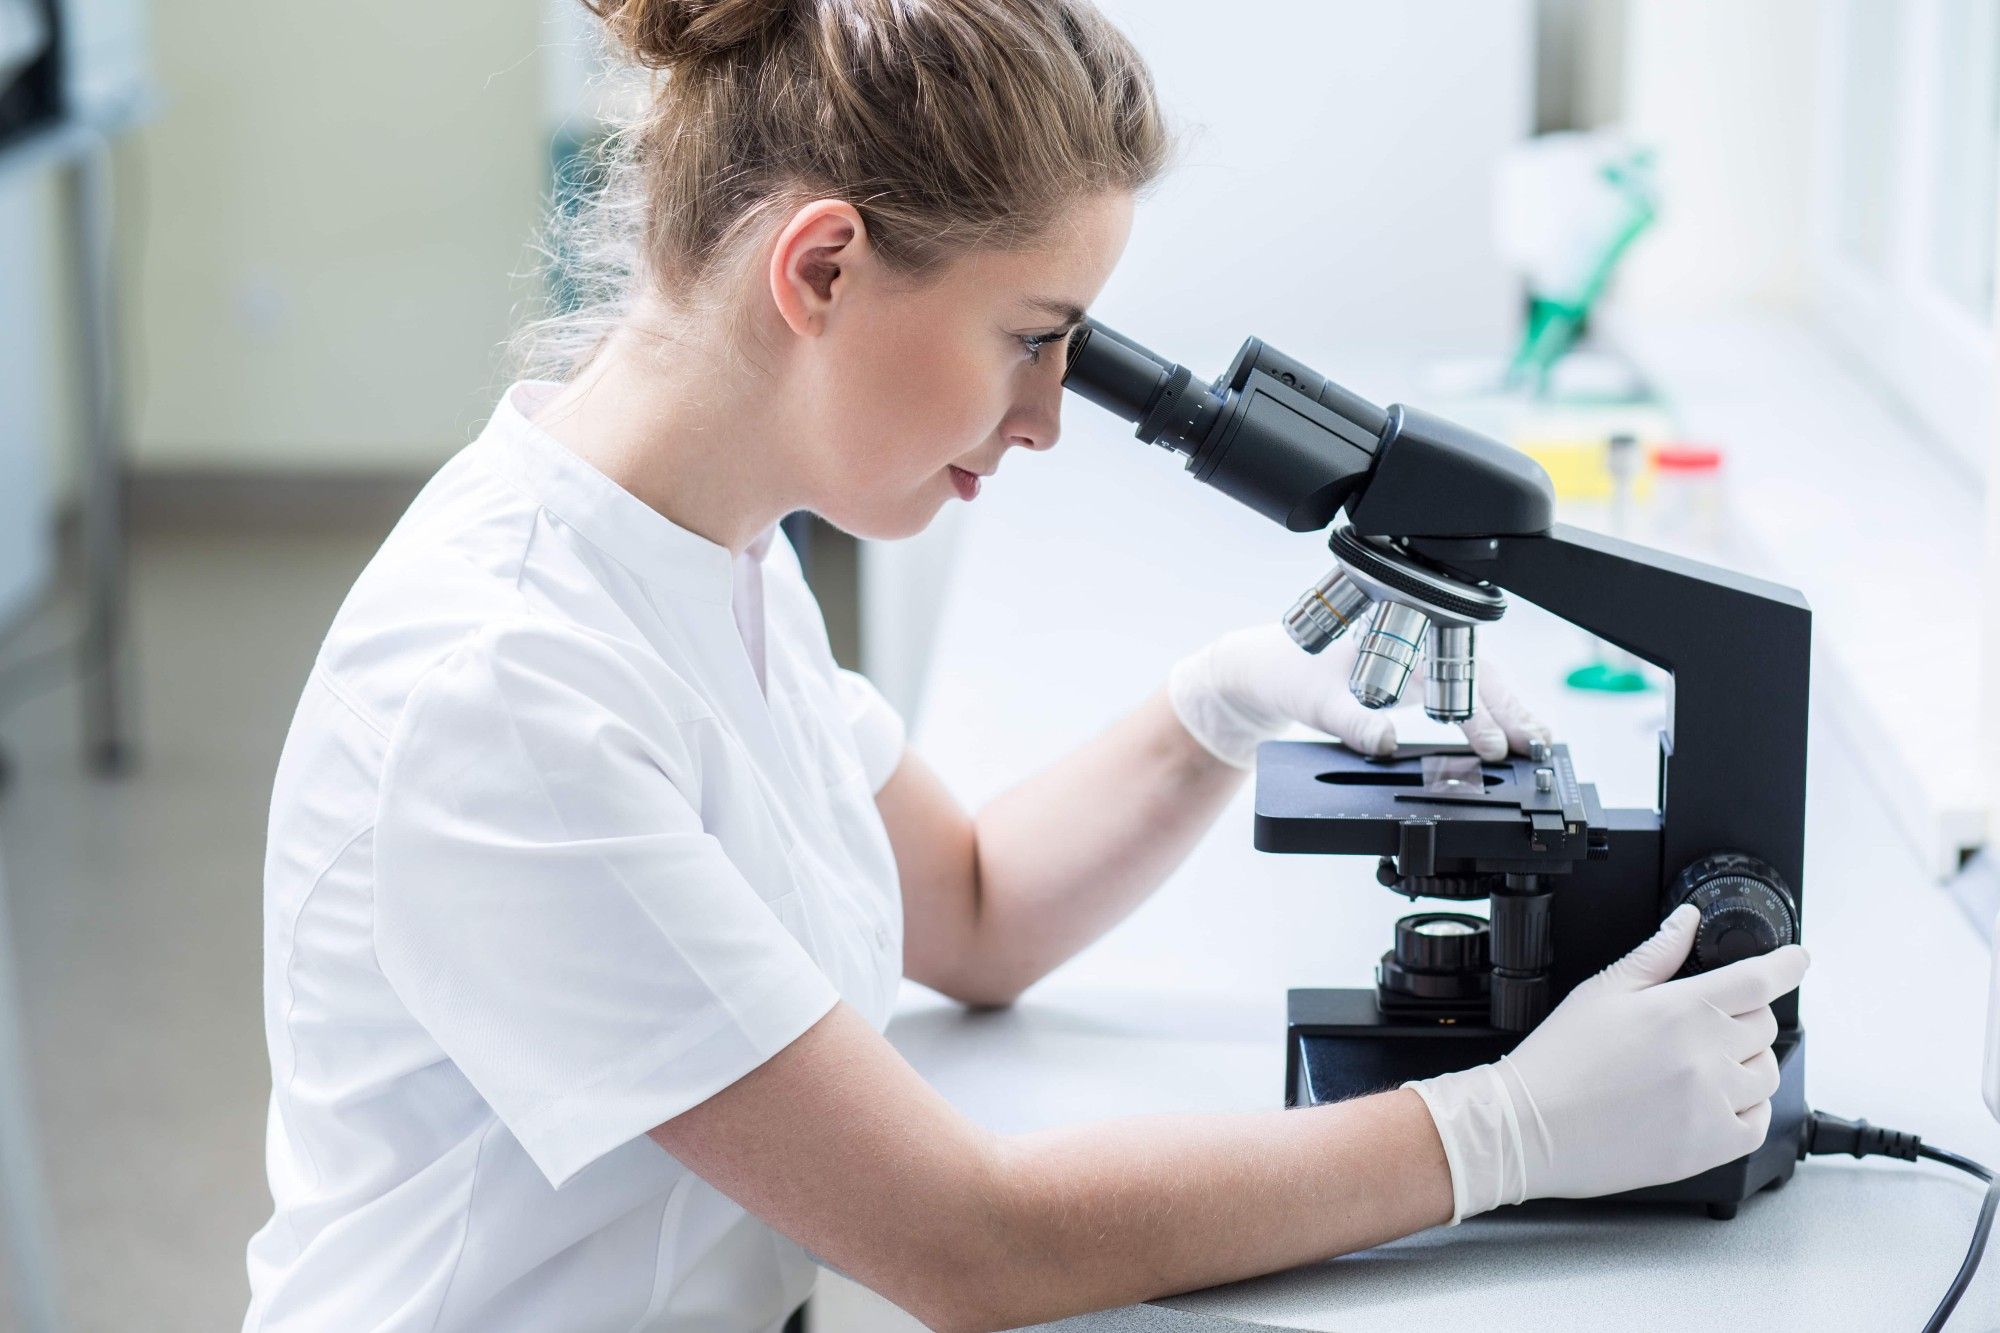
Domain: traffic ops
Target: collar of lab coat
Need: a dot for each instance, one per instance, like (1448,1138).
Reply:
(647,542)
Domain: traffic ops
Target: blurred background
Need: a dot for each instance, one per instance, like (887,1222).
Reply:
(1727,269)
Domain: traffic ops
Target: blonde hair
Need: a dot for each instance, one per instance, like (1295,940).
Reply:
(949,125)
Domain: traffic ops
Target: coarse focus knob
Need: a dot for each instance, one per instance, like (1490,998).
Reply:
(1746,909)
(1518,1003)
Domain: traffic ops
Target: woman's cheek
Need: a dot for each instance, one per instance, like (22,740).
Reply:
(941,423)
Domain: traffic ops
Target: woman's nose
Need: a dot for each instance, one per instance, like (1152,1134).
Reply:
(1037,423)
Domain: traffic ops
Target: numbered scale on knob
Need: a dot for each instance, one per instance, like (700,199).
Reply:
(1746,909)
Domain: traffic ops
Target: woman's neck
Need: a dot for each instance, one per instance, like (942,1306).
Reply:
(705,448)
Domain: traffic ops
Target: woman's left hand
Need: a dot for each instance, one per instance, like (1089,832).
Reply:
(1251,685)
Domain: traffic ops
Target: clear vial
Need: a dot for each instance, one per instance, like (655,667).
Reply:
(1687,501)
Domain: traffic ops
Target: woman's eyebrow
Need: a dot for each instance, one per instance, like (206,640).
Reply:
(1069,312)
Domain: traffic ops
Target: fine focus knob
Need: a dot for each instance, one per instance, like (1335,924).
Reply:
(1746,909)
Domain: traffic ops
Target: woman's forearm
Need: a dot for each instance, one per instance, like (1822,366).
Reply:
(1122,1211)
(837,1142)
(1066,854)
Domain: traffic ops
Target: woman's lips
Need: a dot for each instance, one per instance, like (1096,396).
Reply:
(966,482)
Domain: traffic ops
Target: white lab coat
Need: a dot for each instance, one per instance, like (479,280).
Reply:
(549,865)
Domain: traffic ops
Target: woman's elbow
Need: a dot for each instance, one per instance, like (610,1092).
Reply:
(956,1297)
(958,1315)
(986,989)
(970,976)
(987,1266)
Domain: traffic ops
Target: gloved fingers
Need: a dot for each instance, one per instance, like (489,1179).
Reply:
(1658,958)
(1488,739)
(1269,683)
(1505,712)
(1756,1122)
(1745,986)
(1744,1035)
(1340,715)
(1753,1081)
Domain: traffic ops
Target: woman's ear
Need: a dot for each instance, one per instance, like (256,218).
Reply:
(813,261)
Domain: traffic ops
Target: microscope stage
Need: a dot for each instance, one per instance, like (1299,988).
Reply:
(1428,803)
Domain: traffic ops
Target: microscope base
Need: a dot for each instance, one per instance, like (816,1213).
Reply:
(1339,1044)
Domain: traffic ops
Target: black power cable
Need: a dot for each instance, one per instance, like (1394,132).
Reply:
(1857,1138)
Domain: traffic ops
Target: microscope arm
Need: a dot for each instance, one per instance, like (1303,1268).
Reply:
(1740,654)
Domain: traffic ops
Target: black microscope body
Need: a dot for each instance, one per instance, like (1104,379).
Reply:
(1442,524)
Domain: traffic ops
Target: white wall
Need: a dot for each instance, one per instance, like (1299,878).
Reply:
(1724,90)
(324,226)
(1335,186)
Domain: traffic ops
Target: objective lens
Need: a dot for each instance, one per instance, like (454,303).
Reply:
(1326,611)
(1448,673)
(1388,654)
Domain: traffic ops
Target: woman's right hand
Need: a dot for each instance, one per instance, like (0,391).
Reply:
(1636,1079)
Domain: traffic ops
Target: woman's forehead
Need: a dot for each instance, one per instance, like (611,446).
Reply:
(1057,276)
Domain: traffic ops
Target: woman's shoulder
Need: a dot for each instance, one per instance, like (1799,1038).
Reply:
(469,579)
(450,567)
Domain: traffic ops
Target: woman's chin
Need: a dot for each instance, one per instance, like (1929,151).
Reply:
(889,525)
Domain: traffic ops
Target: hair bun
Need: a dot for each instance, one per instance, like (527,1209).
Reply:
(661,34)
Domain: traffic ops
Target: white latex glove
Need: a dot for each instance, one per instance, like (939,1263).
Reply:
(1634,1080)
(1252,684)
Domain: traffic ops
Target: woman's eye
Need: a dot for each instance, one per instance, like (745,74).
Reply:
(1035,342)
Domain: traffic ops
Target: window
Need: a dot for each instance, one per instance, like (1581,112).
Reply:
(1966,155)
(1907,180)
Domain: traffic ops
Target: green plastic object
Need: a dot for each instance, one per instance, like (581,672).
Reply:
(1556,321)
(1605,678)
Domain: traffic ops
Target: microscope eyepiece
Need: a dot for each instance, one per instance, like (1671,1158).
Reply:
(1285,442)
(1118,375)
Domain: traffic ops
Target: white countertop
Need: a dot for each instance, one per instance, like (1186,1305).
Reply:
(1080,576)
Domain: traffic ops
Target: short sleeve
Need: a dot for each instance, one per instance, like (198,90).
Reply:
(550,908)
(878,727)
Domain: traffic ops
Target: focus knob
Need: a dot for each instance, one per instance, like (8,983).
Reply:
(1746,909)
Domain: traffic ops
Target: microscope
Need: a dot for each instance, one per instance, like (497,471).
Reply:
(1439,526)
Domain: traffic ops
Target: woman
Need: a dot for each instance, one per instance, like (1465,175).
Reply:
(591,879)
